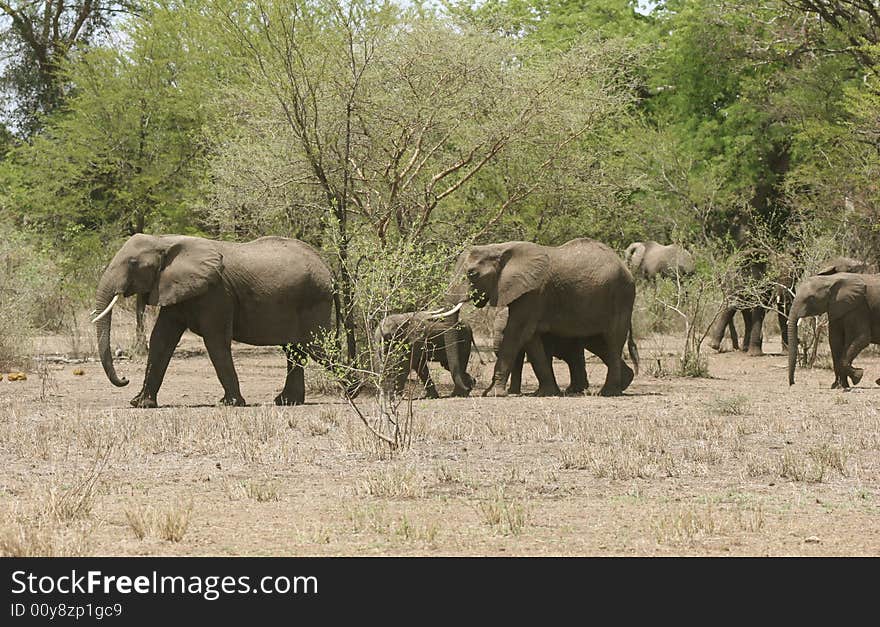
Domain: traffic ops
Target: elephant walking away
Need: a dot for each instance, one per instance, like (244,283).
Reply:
(747,291)
(270,291)
(852,302)
(408,341)
(580,289)
(651,259)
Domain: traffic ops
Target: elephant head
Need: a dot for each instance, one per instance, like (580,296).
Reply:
(498,274)
(161,271)
(834,294)
(843,264)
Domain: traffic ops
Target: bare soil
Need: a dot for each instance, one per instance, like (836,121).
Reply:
(736,464)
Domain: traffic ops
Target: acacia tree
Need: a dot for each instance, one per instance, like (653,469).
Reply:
(380,123)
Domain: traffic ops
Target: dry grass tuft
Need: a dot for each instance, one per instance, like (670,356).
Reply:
(503,514)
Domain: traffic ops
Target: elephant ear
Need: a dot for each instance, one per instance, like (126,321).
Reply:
(190,266)
(845,295)
(524,268)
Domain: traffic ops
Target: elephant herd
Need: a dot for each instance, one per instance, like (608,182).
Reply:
(553,301)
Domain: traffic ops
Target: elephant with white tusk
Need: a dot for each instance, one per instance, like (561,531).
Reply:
(408,341)
(270,291)
(579,290)
(852,302)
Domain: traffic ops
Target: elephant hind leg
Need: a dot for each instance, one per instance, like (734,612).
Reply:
(620,375)
(861,337)
(294,392)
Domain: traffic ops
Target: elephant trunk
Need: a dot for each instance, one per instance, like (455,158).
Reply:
(105,294)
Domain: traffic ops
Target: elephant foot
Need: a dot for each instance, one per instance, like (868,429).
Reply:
(515,389)
(142,401)
(495,390)
(461,392)
(627,375)
(546,390)
(431,393)
(836,384)
(755,352)
(575,390)
(284,400)
(610,391)
(716,345)
(232,401)
(856,375)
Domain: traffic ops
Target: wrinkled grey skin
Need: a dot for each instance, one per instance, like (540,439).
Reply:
(271,291)
(651,259)
(569,350)
(581,289)
(408,341)
(787,281)
(852,302)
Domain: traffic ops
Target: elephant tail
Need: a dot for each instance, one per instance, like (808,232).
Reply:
(633,349)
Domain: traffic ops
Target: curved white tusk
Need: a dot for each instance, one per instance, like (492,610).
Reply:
(447,313)
(799,322)
(431,312)
(106,311)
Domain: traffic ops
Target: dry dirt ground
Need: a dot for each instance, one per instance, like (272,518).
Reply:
(736,464)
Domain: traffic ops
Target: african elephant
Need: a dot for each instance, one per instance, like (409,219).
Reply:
(651,259)
(569,350)
(746,290)
(787,281)
(270,291)
(408,341)
(852,302)
(580,289)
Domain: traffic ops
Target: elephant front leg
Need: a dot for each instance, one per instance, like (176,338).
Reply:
(427,381)
(516,373)
(220,351)
(163,340)
(294,392)
(512,341)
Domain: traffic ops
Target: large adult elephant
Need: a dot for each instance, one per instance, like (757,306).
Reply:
(580,289)
(569,350)
(408,341)
(651,259)
(271,291)
(852,302)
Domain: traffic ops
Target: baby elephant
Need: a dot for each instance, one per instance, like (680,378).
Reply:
(408,341)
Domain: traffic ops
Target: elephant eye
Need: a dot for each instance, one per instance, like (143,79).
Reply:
(472,273)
